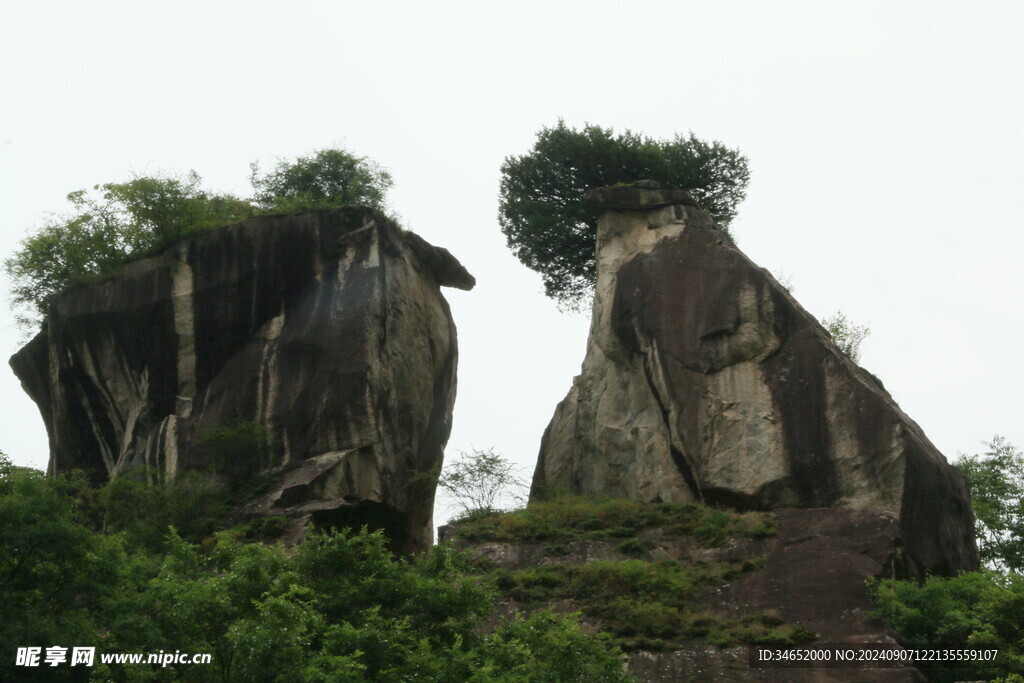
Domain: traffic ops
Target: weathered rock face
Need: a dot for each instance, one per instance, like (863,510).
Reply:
(326,329)
(704,379)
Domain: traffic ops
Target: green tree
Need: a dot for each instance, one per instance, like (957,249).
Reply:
(478,482)
(974,609)
(109,225)
(846,335)
(996,481)
(118,222)
(326,178)
(541,209)
(55,574)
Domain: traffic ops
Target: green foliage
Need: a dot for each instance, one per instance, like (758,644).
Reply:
(326,178)
(109,225)
(338,607)
(193,503)
(846,335)
(54,573)
(238,450)
(115,223)
(567,518)
(478,481)
(646,604)
(541,210)
(976,609)
(996,481)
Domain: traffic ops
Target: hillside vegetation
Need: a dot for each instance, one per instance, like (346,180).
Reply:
(136,568)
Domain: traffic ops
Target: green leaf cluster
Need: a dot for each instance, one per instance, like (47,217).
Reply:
(478,481)
(338,607)
(110,225)
(324,179)
(115,223)
(541,209)
(975,609)
(996,481)
(846,335)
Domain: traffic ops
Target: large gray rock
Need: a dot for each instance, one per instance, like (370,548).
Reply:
(327,329)
(705,380)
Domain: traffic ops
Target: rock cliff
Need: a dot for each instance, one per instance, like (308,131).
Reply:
(705,380)
(325,334)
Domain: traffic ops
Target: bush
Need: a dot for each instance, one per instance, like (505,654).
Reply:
(326,178)
(239,450)
(612,518)
(646,605)
(847,336)
(479,482)
(974,609)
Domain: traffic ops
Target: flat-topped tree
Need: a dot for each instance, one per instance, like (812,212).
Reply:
(542,213)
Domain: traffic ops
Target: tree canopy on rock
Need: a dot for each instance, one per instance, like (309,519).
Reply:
(114,223)
(542,213)
(328,177)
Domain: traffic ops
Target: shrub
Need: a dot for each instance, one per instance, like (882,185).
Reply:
(847,336)
(996,481)
(974,609)
(479,482)
(239,450)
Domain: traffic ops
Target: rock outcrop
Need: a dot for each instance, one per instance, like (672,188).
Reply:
(323,334)
(705,380)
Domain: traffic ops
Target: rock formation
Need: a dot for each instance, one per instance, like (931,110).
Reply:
(324,332)
(705,380)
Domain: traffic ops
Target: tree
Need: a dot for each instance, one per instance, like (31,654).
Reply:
(847,336)
(328,177)
(118,222)
(541,209)
(974,609)
(110,225)
(478,481)
(996,481)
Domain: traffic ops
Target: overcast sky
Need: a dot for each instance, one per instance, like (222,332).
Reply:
(885,142)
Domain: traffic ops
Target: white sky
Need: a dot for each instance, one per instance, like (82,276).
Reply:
(885,141)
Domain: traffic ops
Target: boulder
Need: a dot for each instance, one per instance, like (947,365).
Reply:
(315,347)
(704,379)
